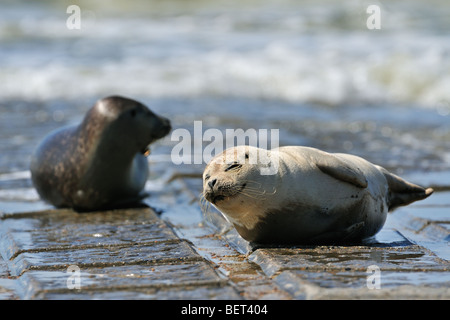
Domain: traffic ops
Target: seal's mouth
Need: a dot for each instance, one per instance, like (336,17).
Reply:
(155,136)
(211,197)
(146,151)
(160,132)
(217,198)
(221,194)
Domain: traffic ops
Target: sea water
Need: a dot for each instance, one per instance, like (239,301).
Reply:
(312,69)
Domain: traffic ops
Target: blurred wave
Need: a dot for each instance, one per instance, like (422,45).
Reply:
(296,51)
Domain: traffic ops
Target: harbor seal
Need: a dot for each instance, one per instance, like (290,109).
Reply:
(101,162)
(313,196)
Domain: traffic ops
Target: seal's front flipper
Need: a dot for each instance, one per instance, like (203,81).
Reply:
(340,170)
(402,192)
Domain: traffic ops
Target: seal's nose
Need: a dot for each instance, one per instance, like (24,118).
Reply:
(164,127)
(165,123)
(212,183)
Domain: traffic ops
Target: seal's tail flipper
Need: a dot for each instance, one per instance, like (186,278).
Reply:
(402,192)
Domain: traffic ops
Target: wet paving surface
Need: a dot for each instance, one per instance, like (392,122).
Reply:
(115,251)
(305,69)
(174,250)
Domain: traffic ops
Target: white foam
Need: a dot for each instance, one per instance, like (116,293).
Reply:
(263,53)
(18,175)
(22,194)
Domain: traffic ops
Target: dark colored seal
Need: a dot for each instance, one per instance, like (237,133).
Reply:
(101,162)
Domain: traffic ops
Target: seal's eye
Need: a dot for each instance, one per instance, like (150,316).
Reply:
(207,177)
(133,113)
(234,165)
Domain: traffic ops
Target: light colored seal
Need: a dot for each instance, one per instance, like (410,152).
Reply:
(101,162)
(312,197)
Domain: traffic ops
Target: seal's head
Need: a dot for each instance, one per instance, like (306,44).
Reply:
(233,181)
(137,124)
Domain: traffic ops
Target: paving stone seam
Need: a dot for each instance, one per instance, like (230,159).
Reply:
(33,214)
(70,212)
(436,226)
(219,268)
(238,287)
(362,269)
(214,266)
(269,281)
(328,248)
(305,250)
(118,225)
(318,269)
(411,233)
(436,257)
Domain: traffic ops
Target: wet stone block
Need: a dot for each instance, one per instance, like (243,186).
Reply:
(210,292)
(323,258)
(103,282)
(358,279)
(354,285)
(67,229)
(7,291)
(427,227)
(103,256)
